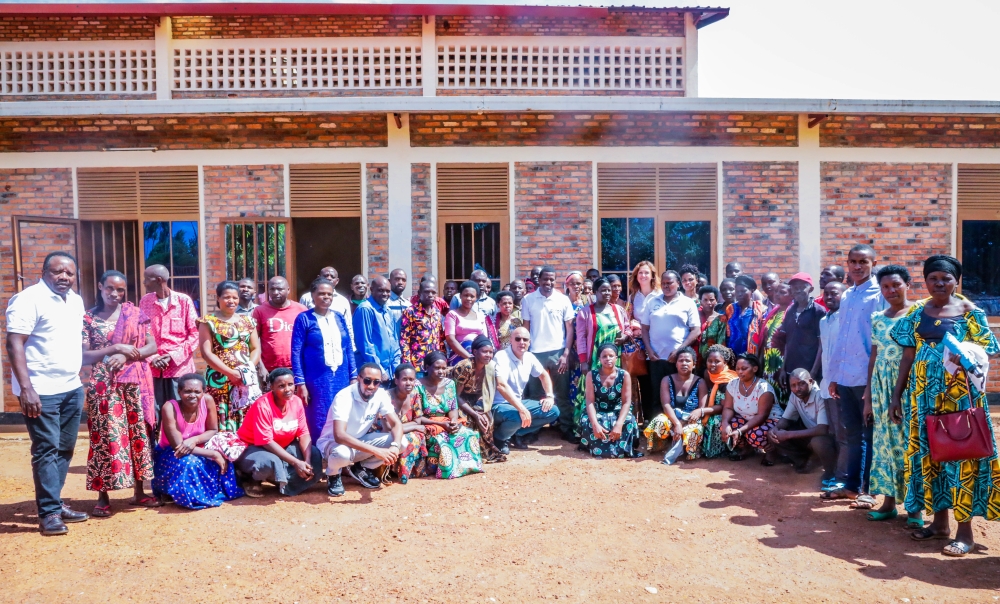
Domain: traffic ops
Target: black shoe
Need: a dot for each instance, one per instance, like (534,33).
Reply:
(518,442)
(69,515)
(52,525)
(504,446)
(530,439)
(363,476)
(334,486)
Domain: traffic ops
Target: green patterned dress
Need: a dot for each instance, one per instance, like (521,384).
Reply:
(231,343)
(772,359)
(969,487)
(607,407)
(448,455)
(888,439)
(607,331)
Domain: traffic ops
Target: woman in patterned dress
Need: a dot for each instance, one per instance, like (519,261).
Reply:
(228,342)
(714,325)
(772,357)
(452,447)
(608,428)
(704,423)
(500,326)
(889,439)
(596,324)
(412,460)
(681,394)
(120,396)
(968,487)
(573,288)
(748,412)
(475,382)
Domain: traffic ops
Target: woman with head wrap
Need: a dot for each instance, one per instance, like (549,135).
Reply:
(969,487)
(747,319)
(476,382)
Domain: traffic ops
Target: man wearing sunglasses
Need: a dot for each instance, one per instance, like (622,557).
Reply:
(515,417)
(345,441)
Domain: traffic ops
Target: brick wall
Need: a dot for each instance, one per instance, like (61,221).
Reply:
(422,239)
(32,192)
(906,216)
(607,129)
(377,215)
(619,22)
(760,214)
(910,131)
(30,28)
(194,132)
(295,26)
(554,216)
(233,192)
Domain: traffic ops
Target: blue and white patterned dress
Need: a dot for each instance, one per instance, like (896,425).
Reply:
(608,406)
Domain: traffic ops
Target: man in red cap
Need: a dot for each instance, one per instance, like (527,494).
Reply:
(800,329)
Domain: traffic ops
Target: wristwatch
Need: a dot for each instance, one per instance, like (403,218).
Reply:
(394,444)
(549,395)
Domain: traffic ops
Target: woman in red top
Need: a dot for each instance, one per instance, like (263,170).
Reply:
(279,449)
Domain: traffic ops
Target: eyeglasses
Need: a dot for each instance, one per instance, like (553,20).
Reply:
(516,339)
(370,381)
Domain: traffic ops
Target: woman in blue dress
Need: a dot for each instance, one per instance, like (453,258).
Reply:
(322,359)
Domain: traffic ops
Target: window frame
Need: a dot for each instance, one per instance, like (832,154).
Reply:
(255,220)
(659,233)
(472,218)
(981,214)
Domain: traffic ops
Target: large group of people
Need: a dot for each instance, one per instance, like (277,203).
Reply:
(849,377)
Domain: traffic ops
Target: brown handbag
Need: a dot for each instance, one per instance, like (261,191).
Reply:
(960,435)
(634,361)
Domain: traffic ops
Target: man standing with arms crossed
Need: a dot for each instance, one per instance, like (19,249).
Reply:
(45,348)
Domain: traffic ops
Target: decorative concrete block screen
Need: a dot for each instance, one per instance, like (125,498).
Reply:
(607,63)
(296,64)
(104,67)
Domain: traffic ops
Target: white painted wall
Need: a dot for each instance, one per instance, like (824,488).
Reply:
(809,199)
(400,200)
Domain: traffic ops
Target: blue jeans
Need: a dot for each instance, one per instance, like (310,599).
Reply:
(859,438)
(560,388)
(507,421)
(53,437)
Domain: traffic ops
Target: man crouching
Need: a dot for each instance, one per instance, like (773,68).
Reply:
(346,442)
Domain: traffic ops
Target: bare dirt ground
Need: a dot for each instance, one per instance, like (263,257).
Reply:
(551,524)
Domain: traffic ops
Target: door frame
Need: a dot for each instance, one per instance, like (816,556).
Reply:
(16,232)
(659,234)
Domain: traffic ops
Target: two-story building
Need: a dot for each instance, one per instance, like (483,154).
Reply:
(228,140)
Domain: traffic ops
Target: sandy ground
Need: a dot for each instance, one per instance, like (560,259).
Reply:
(550,524)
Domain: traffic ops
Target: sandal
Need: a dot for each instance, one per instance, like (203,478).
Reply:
(957,549)
(926,534)
(101,511)
(253,489)
(863,502)
(877,516)
(837,494)
(146,502)
(734,456)
(914,523)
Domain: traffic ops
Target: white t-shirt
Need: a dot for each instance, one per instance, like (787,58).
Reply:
(639,304)
(669,323)
(54,349)
(812,411)
(747,405)
(348,406)
(828,328)
(515,373)
(547,318)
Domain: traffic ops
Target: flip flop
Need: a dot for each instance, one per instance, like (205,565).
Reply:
(863,502)
(837,494)
(101,511)
(926,534)
(146,502)
(956,549)
(877,516)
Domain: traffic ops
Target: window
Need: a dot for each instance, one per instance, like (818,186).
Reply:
(979,234)
(688,242)
(664,213)
(472,246)
(109,245)
(626,242)
(258,250)
(473,221)
(174,244)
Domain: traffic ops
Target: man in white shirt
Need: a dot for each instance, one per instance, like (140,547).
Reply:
(514,416)
(345,441)
(804,427)
(45,348)
(549,316)
(485,305)
(340,303)
(829,327)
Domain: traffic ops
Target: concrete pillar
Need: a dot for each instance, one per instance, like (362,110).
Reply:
(164,58)
(810,259)
(690,56)
(428,56)
(400,211)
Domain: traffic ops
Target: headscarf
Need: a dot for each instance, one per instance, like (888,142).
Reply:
(481,341)
(747,282)
(726,375)
(945,264)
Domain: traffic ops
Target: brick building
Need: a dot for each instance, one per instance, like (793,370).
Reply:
(231,140)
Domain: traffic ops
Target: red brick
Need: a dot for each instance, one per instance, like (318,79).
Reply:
(554,218)
(760,216)
(377,215)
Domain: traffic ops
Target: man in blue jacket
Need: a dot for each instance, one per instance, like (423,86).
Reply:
(374,332)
